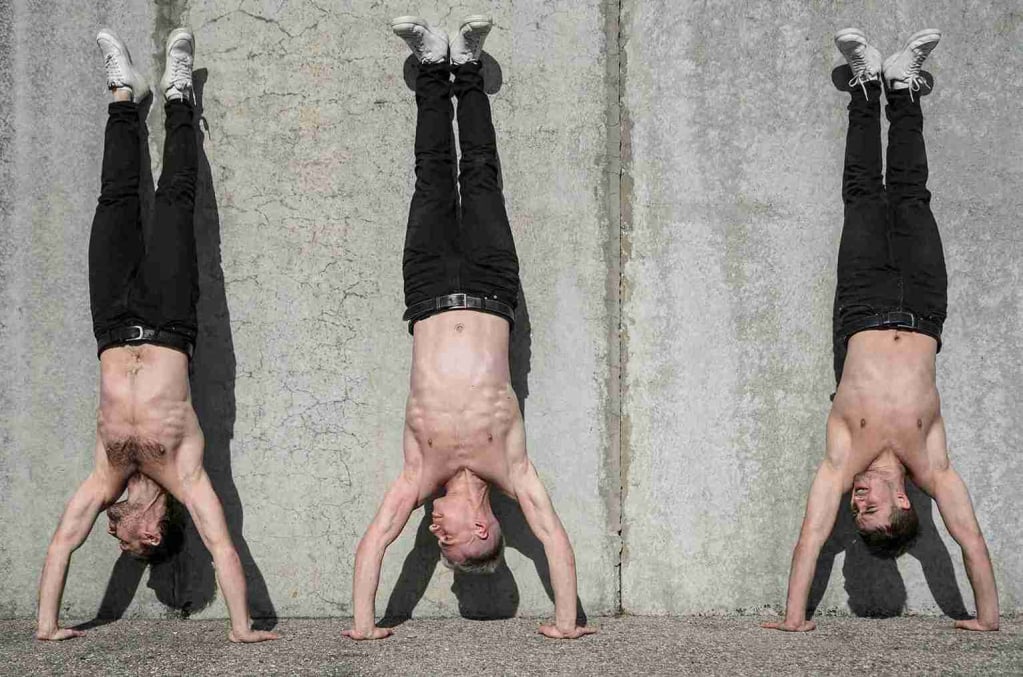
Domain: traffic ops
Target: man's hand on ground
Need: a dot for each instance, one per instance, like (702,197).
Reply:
(785,626)
(976,626)
(251,636)
(58,634)
(575,632)
(373,633)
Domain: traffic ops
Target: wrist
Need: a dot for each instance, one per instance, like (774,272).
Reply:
(241,626)
(565,623)
(989,623)
(795,619)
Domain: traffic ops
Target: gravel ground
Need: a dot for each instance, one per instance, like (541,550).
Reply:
(625,645)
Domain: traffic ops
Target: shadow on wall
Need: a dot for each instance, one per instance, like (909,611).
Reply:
(187,582)
(874,585)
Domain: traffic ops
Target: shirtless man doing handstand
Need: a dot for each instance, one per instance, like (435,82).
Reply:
(890,306)
(463,429)
(143,294)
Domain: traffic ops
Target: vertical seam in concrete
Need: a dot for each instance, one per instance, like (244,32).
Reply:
(614,78)
(624,191)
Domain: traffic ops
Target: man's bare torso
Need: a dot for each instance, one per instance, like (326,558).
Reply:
(888,399)
(146,422)
(462,412)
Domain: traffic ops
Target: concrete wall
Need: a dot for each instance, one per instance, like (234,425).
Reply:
(735,139)
(698,174)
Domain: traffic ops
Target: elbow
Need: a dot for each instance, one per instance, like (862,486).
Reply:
(974,547)
(62,545)
(225,555)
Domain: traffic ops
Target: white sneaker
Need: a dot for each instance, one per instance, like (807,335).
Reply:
(121,72)
(468,42)
(863,58)
(176,83)
(428,44)
(902,69)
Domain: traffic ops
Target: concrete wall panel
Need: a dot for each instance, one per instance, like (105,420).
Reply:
(735,156)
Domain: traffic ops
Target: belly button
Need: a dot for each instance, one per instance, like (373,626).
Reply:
(863,423)
(459,327)
(429,442)
(919,423)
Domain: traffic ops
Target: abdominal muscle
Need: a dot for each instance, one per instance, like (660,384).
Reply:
(145,411)
(461,404)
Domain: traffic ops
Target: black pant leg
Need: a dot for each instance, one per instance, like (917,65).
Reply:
(916,242)
(867,281)
(115,243)
(169,275)
(430,263)
(491,266)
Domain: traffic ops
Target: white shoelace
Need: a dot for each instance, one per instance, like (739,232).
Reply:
(115,76)
(181,73)
(861,74)
(913,77)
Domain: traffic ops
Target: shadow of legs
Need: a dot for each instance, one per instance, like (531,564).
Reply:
(519,536)
(214,373)
(416,572)
(124,581)
(934,558)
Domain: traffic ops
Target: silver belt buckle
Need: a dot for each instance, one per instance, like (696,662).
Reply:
(141,331)
(457,300)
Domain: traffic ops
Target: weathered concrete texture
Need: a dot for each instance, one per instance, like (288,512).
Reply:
(623,646)
(735,138)
(301,371)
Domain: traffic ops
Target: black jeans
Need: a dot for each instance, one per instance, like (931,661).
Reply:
(149,279)
(447,250)
(890,258)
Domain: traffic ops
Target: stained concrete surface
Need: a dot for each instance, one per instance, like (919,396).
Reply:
(721,131)
(734,140)
(301,370)
(623,646)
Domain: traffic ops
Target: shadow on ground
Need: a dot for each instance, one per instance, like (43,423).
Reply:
(187,582)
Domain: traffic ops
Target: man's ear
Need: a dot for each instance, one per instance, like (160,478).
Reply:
(902,500)
(481,530)
(151,538)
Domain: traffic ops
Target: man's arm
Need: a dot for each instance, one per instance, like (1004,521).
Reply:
(821,510)
(92,495)
(207,514)
(399,502)
(956,508)
(539,512)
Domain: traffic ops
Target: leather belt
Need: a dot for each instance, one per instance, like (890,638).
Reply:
(896,319)
(460,301)
(137,333)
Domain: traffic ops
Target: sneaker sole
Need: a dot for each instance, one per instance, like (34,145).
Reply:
(476,21)
(919,35)
(408,21)
(175,35)
(846,32)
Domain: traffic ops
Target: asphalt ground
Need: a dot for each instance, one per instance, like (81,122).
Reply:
(714,645)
